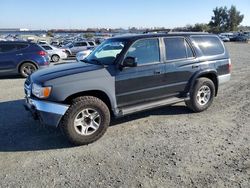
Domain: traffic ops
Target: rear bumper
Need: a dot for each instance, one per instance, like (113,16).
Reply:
(47,113)
(44,66)
(224,78)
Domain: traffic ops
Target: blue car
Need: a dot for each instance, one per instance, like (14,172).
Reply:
(22,58)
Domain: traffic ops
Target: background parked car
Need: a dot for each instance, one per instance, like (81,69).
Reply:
(73,48)
(224,38)
(55,43)
(21,58)
(239,38)
(41,42)
(55,53)
(228,35)
(82,55)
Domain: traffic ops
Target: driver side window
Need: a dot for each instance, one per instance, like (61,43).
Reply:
(145,51)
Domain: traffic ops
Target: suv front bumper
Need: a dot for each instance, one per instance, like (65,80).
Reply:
(48,113)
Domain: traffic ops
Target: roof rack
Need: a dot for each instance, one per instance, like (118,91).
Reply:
(157,31)
(187,32)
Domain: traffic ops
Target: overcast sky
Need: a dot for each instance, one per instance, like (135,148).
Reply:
(81,14)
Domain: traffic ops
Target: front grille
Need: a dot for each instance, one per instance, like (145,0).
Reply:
(27,87)
(27,81)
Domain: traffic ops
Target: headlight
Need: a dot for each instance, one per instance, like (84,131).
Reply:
(40,92)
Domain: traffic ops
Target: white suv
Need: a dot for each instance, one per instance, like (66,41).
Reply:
(75,47)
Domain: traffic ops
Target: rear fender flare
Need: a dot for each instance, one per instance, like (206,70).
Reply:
(199,74)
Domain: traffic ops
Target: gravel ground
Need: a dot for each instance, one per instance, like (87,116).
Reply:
(167,147)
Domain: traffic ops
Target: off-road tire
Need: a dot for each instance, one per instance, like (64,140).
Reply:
(193,102)
(80,103)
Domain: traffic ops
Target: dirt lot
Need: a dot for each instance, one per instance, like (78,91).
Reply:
(167,147)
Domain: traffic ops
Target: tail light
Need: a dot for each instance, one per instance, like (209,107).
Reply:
(42,53)
(229,65)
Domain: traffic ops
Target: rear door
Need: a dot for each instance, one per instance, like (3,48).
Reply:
(180,64)
(143,82)
(83,46)
(75,48)
(8,57)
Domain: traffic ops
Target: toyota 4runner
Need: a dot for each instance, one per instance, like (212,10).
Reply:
(128,74)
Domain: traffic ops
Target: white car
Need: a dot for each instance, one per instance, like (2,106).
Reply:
(55,53)
(82,55)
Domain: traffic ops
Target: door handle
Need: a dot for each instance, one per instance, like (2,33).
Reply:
(157,72)
(19,54)
(195,66)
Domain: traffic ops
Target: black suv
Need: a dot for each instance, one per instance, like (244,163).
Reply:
(125,75)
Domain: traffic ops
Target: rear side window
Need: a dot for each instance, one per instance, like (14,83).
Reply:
(81,44)
(91,44)
(47,47)
(177,48)
(209,45)
(21,46)
(77,44)
(7,48)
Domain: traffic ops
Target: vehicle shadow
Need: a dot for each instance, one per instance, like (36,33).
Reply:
(19,132)
(11,77)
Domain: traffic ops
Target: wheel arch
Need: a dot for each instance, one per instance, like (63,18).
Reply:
(95,93)
(26,61)
(210,74)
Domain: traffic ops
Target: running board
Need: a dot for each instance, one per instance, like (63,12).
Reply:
(150,105)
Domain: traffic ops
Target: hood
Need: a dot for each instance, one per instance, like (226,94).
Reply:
(62,70)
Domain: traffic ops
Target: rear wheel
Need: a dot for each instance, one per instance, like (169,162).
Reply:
(202,95)
(86,120)
(55,58)
(27,69)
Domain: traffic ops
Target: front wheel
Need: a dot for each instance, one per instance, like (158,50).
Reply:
(86,120)
(202,95)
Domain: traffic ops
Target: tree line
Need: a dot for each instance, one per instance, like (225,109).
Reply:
(223,20)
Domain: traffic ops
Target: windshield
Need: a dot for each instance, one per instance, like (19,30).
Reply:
(107,52)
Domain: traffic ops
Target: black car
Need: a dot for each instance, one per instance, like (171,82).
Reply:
(239,38)
(137,73)
(19,57)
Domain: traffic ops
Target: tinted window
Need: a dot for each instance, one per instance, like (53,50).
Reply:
(209,45)
(84,44)
(81,44)
(7,47)
(177,48)
(145,51)
(91,44)
(21,46)
(47,47)
(77,44)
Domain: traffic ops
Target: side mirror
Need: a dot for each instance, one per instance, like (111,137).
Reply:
(129,62)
